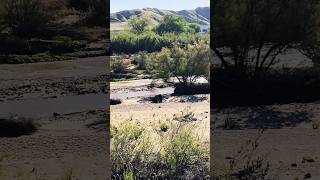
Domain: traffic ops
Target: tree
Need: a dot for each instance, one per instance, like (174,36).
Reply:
(26,18)
(194,28)
(138,24)
(310,45)
(256,32)
(186,64)
(97,13)
(171,23)
(79,5)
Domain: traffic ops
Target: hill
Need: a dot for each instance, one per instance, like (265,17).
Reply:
(200,15)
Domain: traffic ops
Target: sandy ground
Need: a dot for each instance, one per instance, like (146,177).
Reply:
(289,138)
(71,139)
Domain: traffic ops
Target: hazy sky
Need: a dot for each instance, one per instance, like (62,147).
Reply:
(119,5)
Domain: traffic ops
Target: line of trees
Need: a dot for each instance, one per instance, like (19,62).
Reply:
(141,36)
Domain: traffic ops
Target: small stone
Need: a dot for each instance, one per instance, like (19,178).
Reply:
(56,114)
(307,176)
(294,165)
(307,159)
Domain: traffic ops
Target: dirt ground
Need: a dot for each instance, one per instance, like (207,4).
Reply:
(289,143)
(71,139)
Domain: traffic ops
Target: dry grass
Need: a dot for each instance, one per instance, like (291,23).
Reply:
(157,146)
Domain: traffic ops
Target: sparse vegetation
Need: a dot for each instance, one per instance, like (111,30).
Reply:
(169,150)
(245,164)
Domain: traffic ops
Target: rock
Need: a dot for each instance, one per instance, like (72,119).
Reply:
(307,159)
(157,99)
(294,165)
(307,176)
(56,114)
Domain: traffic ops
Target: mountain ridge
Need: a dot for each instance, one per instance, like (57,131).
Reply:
(200,15)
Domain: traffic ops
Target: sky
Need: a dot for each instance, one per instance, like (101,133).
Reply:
(119,5)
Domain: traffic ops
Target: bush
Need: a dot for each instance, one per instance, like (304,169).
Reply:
(11,44)
(183,152)
(26,18)
(191,89)
(14,127)
(246,163)
(169,151)
(20,59)
(141,60)
(194,28)
(117,65)
(278,86)
(186,64)
(65,44)
(115,101)
(97,14)
(130,148)
(138,24)
(130,43)
(171,24)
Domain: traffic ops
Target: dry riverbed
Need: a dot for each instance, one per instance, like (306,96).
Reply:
(67,101)
(290,142)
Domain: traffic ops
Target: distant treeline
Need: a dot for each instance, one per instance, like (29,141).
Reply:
(141,37)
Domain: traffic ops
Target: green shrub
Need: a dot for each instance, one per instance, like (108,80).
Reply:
(117,65)
(141,60)
(171,23)
(130,148)
(186,64)
(129,43)
(169,151)
(183,152)
(138,24)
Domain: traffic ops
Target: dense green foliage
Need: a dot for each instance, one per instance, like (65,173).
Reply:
(129,43)
(186,64)
(193,28)
(138,24)
(171,24)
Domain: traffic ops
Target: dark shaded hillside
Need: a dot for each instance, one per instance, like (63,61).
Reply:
(199,15)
